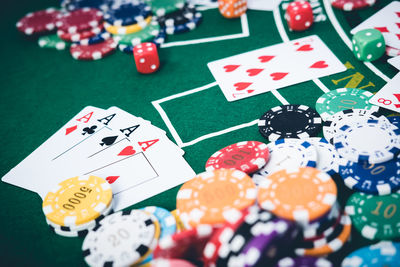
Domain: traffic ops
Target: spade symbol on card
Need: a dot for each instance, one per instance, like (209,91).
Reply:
(70,129)
(319,65)
(127,151)
(89,130)
(108,140)
(111,179)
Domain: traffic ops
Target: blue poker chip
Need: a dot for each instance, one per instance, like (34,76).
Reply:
(395,120)
(101,37)
(127,14)
(76,4)
(185,27)
(384,253)
(376,179)
(328,158)
(158,40)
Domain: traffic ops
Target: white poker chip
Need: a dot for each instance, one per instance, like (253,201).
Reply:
(371,141)
(327,157)
(288,153)
(121,239)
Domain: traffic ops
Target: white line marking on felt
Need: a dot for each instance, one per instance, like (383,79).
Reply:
(346,39)
(245,33)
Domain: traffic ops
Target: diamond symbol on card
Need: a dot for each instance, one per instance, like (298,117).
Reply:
(70,129)
(382,29)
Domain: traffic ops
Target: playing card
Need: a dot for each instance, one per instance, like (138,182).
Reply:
(274,67)
(264,5)
(28,173)
(395,62)
(387,21)
(389,96)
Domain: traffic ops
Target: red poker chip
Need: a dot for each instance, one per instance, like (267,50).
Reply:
(38,22)
(79,20)
(94,51)
(247,156)
(188,244)
(392,52)
(75,37)
(171,263)
(349,5)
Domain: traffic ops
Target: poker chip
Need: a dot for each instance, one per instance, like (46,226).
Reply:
(133,236)
(371,141)
(77,200)
(94,51)
(376,179)
(171,263)
(289,121)
(395,120)
(162,7)
(179,17)
(77,4)
(392,52)
(127,14)
(313,193)
(287,153)
(149,33)
(185,27)
(79,20)
(99,38)
(52,41)
(350,5)
(165,218)
(337,120)
(332,246)
(247,156)
(78,36)
(375,217)
(304,262)
(38,22)
(384,253)
(180,225)
(158,40)
(211,197)
(129,28)
(342,99)
(327,157)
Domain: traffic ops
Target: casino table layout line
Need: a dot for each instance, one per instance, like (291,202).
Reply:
(245,33)
(346,39)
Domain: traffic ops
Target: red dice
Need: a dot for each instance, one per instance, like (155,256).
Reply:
(299,15)
(146,58)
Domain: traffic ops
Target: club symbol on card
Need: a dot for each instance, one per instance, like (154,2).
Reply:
(127,151)
(89,130)
(276,76)
(241,86)
(108,140)
(305,47)
(111,179)
(254,72)
(70,129)
(264,59)
(230,68)
(319,65)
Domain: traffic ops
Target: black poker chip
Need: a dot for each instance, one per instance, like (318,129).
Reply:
(290,121)
(179,17)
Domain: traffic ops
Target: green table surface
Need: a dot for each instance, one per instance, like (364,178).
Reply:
(41,89)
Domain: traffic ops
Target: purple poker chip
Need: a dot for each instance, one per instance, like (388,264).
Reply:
(304,262)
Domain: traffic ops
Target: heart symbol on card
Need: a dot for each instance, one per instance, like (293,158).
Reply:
(250,91)
(241,86)
(296,43)
(70,129)
(319,65)
(230,68)
(127,151)
(254,72)
(264,59)
(111,179)
(305,47)
(276,76)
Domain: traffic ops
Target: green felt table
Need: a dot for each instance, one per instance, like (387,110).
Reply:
(41,89)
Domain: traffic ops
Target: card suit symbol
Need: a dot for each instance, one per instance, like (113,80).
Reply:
(264,59)
(127,151)
(250,91)
(305,47)
(398,36)
(296,43)
(276,76)
(254,72)
(319,65)
(71,129)
(382,29)
(398,14)
(398,25)
(108,140)
(89,130)
(230,68)
(111,179)
(241,86)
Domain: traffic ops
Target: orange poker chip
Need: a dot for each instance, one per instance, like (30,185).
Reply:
(301,195)
(213,197)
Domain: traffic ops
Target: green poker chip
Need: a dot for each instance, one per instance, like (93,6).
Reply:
(52,41)
(147,34)
(375,217)
(342,99)
(162,7)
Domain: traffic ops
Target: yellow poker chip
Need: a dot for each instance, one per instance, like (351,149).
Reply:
(77,200)
(127,29)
